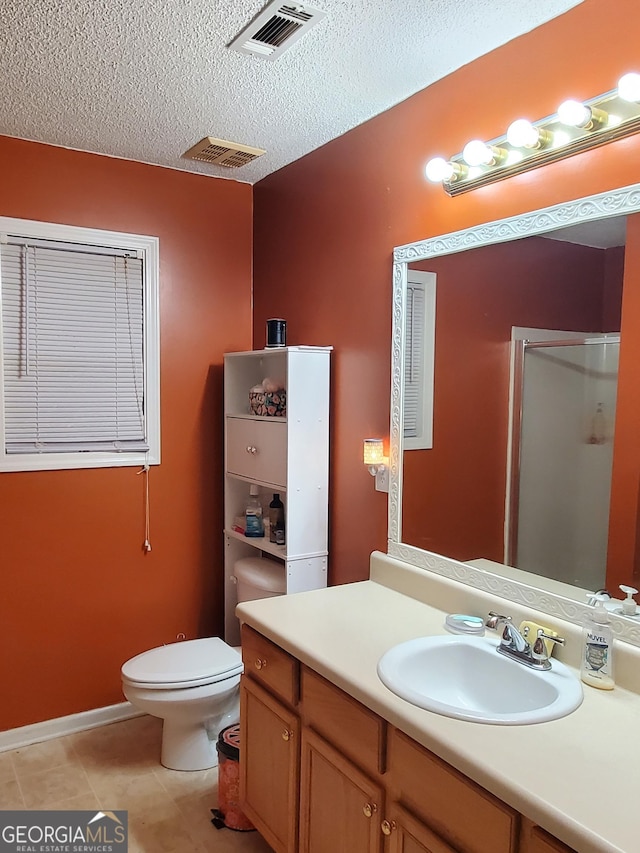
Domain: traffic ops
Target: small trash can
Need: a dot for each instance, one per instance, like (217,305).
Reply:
(229,813)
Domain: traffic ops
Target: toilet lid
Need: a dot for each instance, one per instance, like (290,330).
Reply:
(191,663)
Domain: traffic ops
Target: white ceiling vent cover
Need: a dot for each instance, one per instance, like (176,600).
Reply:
(223,153)
(275,29)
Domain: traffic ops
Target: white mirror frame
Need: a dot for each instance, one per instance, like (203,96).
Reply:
(619,202)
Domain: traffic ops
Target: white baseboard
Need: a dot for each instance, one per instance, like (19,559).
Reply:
(49,729)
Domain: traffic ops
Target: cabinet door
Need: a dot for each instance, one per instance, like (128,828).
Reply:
(340,807)
(257,449)
(269,766)
(408,835)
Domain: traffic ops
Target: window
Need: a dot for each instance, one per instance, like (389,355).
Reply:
(419,360)
(79,347)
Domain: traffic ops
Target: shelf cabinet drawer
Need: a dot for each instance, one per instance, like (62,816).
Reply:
(355,730)
(461,812)
(257,450)
(270,665)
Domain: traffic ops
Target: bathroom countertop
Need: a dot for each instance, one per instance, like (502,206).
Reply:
(577,777)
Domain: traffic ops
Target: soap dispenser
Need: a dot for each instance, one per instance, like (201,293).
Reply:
(629,606)
(596,667)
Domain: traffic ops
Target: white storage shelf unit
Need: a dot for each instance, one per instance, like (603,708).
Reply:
(286,455)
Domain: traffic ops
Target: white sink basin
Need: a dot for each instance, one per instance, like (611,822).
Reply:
(467,678)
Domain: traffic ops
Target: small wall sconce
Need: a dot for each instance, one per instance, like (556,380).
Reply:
(577,126)
(377,462)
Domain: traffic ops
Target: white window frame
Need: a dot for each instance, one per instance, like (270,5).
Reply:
(148,249)
(423,361)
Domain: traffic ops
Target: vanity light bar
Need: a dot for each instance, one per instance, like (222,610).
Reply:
(577,126)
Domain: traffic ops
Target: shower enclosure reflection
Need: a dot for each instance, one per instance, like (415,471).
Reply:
(564,399)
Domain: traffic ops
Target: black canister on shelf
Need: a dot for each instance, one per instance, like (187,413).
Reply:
(276,332)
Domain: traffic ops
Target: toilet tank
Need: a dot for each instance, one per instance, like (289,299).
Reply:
(259,578)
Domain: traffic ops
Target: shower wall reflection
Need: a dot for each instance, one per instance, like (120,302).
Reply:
(562,440)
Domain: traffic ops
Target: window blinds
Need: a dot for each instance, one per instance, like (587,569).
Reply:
(414,360)
(73,347)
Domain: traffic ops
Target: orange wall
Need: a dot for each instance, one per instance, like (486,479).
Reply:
(325,226)
(454,494)
(78,595)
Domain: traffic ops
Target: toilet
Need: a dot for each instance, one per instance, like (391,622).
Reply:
(194,685)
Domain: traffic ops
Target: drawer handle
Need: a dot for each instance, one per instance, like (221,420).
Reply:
(260,664)
(251,449)
(369,809)
(388,826)
(287,734)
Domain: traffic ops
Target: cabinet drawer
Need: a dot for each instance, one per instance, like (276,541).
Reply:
(270,665)
(461,812)
(257,450)
(355,730)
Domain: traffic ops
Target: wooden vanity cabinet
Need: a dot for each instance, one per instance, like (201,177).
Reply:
(321,773)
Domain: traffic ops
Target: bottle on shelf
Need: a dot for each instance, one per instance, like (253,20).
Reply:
(276,520)
(254,525)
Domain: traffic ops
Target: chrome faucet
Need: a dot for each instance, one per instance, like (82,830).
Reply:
(513,645)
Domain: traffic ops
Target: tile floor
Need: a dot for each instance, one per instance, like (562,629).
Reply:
(117,767)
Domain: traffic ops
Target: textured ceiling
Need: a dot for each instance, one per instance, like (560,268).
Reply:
(147,79)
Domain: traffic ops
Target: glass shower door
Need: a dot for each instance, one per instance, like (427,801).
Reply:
(561,481)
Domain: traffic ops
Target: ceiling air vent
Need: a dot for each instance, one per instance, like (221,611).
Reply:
(220,152)
(275,29)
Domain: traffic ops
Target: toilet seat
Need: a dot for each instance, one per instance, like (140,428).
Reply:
(192,663)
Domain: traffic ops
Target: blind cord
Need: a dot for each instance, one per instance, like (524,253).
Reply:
(147,521)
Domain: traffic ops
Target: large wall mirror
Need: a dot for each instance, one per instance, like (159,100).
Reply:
(510,491)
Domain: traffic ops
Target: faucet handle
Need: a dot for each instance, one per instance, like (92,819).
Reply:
(539,648)
(496,619)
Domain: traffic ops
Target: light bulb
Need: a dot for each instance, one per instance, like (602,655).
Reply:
(574,113)
(629,87)
(438,169)
(477,153)
(522,134)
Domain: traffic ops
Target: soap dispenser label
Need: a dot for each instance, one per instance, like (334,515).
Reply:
(596,653)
